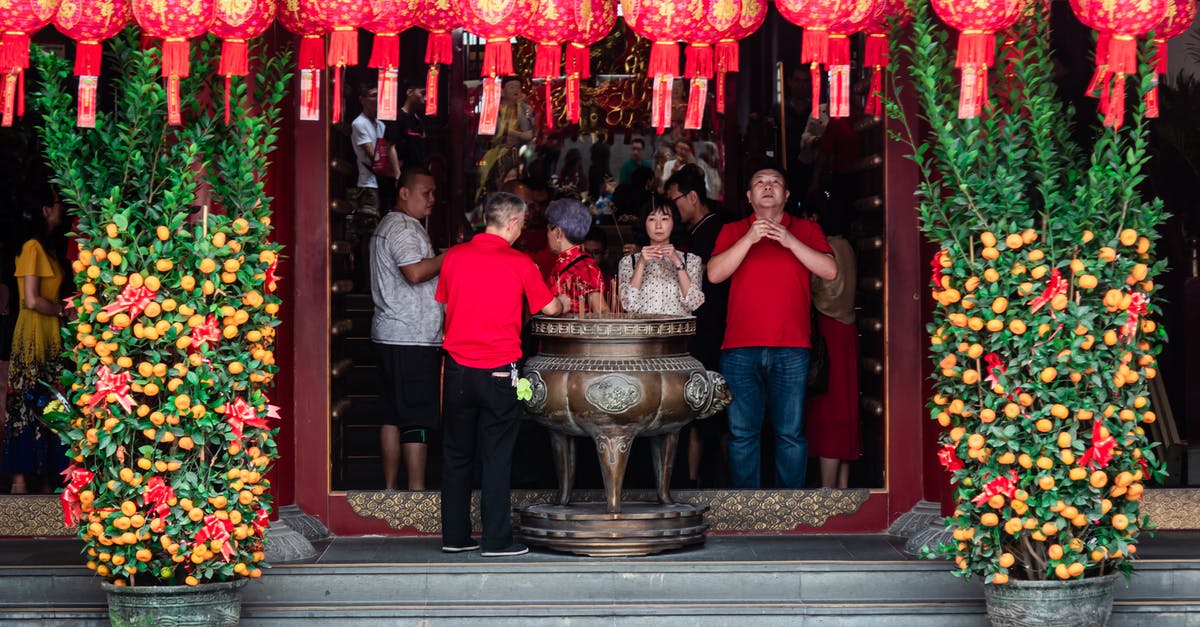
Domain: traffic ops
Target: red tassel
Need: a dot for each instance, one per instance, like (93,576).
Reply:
(547,62)
(1122,55)
(431,90)
(839,49)
(87,58)
(385,51)
(175,53)
(439,48)
(388,86)
(1105,94)
(343,47)
(489,114)
(1100,75)
(235,58)
(579,60)
(228,84)
(839,91)
(720,96)
(174,114)
(312,52)
(1115,116)
(875,50)
(697,97)
(699,61)
(1152,99)
(573,98)
(8,99)
(85,108)
(972,92)
(660,111)
(336,115)
(728,55)
(814,45)
(976,48)
(549,105)
(497,57)
(14,51)
(664,59)
(814,71)
(874,106)
(1160,56)
(21,94)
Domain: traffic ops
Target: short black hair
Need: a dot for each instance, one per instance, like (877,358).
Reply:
(688,179)
(508,79)
(597,234)
(410,174)
(768,165)
(661,204)
(638,140)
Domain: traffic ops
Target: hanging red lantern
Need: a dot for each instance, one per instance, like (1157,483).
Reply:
(300,17)
(89,22)
(751,17)
(718,18)
(817,18)
(1098,86)
(439,17)
(877,50)
(19,19)
(175,22)
(663,23)
(1125,21)
(390,18)
(555,24)
(593,20)
(497,22)
(865,11)
(977,22)
(1179,18)
(235,22)
(343,18)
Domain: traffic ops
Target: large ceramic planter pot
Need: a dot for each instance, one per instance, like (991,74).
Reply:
(209,604)
(1074,603)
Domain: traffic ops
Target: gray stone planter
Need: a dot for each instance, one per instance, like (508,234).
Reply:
(1073,603)
(208,604)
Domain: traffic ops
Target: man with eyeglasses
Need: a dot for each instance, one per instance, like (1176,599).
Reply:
(769,259)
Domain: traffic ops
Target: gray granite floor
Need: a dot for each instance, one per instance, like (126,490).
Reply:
(718,548)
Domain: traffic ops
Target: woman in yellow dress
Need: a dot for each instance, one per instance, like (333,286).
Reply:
(29,447)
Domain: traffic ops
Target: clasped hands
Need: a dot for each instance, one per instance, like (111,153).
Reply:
(660,251)
(771,230)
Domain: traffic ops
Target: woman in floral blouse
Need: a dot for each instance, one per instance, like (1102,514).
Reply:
(661,279)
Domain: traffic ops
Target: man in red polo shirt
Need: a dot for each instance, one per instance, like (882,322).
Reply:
(770,257)
(485,285)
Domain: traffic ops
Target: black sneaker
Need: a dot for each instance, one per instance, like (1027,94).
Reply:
(515,548)
(471,545)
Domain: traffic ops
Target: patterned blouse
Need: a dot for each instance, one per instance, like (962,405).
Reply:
(660,292)
(575,274)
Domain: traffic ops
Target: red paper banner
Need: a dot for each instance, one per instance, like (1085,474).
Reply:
(431,91)
(389,84)
(174,112)
(9,99)
(697,96)
(310,94)
(839,91)
(490,114)
(85,112)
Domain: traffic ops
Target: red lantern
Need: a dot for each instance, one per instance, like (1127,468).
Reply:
(391,17)
(1179,18)
(343,18)
(236,21)
(18,20)
(865,11)
(299,17)
(817,18)
(594,19)
(439,17)
(977,22)
(1125,20)
(752,16)
(719,17)
(662,22)
(175,22)
(497,22)
(554,25)
(877,49)
(90,22)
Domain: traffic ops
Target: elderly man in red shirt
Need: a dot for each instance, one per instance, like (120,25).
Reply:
(770,257)
(486,286)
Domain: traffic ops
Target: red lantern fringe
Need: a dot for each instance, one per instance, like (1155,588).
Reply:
(839,49)
(547,60)
(1100,76)
(175,57)
(579,60)
(235,58)
(385,51)
(14,51)
(88,55)
(343,47)
(876,50)
(976,48)
(728,55)
(664,59)
(698,60)
(439,48)
(312,52)
(814,45)
(497,57)
(1122,55)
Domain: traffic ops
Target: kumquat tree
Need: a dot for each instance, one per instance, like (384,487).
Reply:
(1043,334)
(166,414)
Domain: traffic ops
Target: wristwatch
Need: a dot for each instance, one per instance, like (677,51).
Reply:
(678,267)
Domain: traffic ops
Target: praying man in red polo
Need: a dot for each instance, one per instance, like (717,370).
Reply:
(769,257)
(487,287)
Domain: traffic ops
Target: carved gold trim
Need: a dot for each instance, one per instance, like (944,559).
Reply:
(729,510)
(32,515)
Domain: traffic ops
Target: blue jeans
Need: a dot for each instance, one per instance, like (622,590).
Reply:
(766,381)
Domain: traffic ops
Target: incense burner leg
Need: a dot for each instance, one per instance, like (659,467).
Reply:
(613,449)
(563,448)
(664,447)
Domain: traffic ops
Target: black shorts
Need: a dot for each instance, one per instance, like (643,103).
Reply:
(410,381)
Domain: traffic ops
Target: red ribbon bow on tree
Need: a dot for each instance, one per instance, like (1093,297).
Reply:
(1137,308)
(115,384)
(1100,453)
(1054,286)
(262,519)
(949,458)
(937,271)
(994,369)
(132,299)
(205,334)
(1000,485)
(158,496)
(75,478)
(269,278)
(239,414)
(216,529)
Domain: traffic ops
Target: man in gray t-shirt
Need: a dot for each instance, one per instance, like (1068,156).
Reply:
(407,328)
